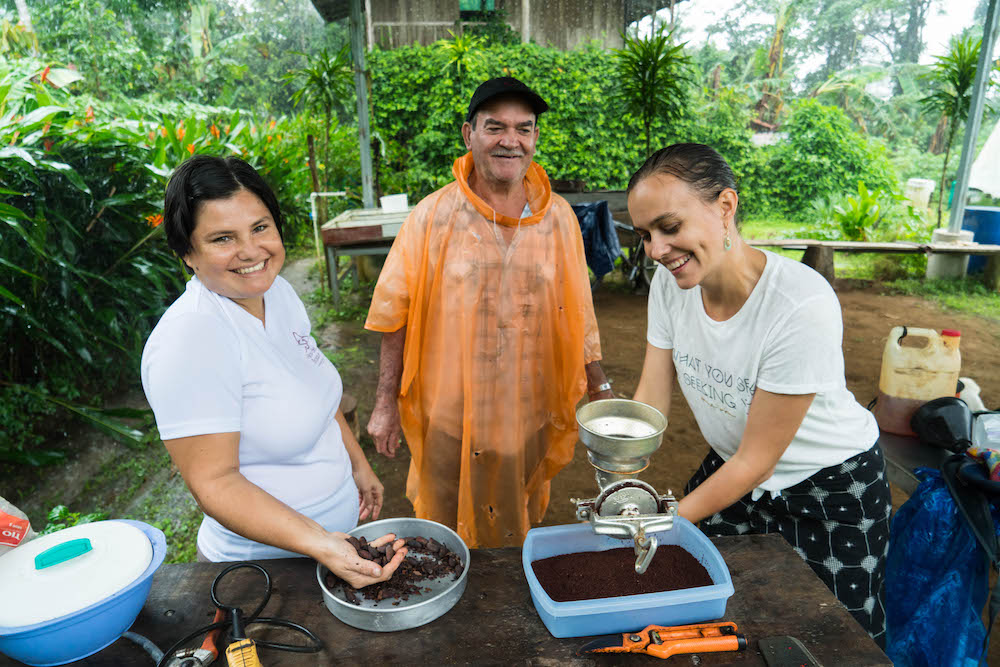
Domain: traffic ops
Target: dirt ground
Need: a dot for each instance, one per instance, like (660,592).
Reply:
(868,316)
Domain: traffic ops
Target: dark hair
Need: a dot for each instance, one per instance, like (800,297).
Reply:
(698,165)
(205,178)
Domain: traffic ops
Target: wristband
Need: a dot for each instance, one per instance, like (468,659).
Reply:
(602,387)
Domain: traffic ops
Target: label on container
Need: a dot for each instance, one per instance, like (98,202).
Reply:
(12,530)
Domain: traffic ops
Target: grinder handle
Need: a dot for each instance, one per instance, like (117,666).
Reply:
(702,645)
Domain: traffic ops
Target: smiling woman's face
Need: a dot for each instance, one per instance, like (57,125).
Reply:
(236,250)
(678,228)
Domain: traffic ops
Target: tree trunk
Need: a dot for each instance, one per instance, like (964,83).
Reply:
(937,140)
(944,172)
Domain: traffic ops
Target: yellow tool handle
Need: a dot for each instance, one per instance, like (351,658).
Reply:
(242,653)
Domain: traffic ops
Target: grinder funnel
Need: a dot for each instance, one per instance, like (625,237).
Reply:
(620,435)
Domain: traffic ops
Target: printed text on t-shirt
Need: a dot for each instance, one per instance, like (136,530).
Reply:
(312,352)
(720,389)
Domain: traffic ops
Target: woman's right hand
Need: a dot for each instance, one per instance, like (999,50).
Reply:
(342,559)
(384,427)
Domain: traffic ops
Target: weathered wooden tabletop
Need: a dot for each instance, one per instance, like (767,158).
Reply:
(495,621)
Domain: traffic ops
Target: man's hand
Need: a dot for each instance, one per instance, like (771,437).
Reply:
(384,428)
(370,492)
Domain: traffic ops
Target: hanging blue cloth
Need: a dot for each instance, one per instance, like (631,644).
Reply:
(600,239)
(937,581)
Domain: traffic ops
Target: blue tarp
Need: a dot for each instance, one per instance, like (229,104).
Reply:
(936,581)
(600,239)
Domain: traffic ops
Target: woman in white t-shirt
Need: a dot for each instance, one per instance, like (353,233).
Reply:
(754,341)
(245,402)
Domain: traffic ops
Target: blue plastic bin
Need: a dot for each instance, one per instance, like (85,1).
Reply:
(984,223)
(581,618)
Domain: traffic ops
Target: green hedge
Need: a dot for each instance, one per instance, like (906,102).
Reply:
(418,107)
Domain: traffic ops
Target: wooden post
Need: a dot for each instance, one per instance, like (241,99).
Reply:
(820,259)
(361,88)
(993,273)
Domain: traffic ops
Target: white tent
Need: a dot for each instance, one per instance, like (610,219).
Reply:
(985,174)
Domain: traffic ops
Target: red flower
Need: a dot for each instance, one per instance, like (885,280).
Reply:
(45,129)
(154,220)
(163,131)
(48,145)
(180,133)
(90,115)
(190,148)
(152,136)
(214,130)
(45,72)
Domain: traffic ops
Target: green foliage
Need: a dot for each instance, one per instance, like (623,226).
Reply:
(951,79)
(418,114)
(60,517)
(859,215)
(492,28)
(460,52)
(966,295)
(84,274)
(823,157)
(654,79)
(19,442)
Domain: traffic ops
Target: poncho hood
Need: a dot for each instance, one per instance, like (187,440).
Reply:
(536,184)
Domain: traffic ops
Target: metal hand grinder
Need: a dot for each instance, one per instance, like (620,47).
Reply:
(620,435)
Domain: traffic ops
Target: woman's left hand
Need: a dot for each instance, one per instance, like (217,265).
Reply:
(369,492)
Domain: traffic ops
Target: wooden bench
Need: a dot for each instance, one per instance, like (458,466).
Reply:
(819,254)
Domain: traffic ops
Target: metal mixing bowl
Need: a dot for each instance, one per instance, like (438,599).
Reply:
(419,609)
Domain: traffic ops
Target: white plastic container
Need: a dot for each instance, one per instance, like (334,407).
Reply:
(395,203)
(918,192)
(912,375)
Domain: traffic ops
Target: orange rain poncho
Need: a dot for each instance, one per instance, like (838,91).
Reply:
(497,337)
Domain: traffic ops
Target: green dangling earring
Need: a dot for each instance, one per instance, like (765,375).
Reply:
(727,242)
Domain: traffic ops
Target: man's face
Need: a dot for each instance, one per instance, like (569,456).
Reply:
(503,140)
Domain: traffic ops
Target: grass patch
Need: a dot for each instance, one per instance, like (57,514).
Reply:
(966,295)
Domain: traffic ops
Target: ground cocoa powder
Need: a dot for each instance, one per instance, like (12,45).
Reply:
(591,575)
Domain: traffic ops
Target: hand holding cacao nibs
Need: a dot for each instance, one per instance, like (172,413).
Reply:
(435,561)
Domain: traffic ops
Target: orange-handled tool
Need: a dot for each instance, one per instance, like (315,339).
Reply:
(662,641)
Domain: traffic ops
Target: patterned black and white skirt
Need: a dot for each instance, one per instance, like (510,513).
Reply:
(837,521)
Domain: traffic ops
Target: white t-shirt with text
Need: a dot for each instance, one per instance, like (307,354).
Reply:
(786,339)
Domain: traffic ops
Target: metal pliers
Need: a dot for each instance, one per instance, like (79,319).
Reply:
(662,642)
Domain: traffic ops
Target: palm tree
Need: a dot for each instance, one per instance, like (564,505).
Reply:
(326,86)
(951,79)
(654,79)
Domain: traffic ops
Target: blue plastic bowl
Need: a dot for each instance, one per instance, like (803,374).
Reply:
(581,618)
(87,631)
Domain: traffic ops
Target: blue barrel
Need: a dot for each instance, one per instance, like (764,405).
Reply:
(984,223)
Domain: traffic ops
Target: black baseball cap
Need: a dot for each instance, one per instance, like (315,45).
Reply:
(505,85)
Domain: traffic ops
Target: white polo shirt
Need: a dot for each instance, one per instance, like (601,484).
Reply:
(209,366)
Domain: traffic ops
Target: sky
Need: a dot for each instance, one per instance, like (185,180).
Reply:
(696,16)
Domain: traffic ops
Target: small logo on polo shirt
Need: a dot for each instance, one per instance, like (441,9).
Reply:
(312,352)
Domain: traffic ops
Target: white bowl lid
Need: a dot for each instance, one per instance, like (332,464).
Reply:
(69,570)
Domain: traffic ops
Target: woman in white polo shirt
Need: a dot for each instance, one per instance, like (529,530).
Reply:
(245,402)
(754,340)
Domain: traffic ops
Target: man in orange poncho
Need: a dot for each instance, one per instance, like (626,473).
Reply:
(489,335)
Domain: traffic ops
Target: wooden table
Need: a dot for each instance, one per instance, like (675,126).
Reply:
(357,232)
(495,621)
